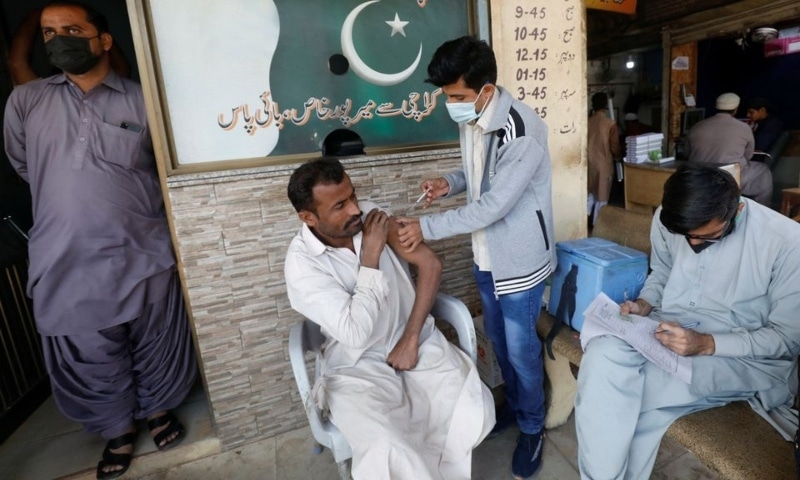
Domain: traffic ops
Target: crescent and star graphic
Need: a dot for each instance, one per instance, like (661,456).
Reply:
(358,66)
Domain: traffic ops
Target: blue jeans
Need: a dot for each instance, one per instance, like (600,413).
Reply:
(510,323)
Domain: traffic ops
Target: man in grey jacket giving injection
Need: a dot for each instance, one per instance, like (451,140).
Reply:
(506,174)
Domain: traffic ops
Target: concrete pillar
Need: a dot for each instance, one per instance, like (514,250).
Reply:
(541,54)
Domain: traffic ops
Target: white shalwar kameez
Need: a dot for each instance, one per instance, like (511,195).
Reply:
(416,424)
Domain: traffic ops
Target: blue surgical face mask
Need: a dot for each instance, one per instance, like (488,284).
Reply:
(464,112)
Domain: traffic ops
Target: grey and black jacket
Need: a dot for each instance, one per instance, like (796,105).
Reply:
(515,206)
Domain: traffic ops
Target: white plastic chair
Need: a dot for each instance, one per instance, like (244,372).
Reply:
(306,336)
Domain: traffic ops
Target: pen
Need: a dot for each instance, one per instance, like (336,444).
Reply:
(683,325)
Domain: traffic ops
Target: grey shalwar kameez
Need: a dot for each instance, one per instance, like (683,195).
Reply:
(744,292)
(102,272)
(721,140)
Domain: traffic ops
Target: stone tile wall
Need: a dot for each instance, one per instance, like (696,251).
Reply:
(232,230)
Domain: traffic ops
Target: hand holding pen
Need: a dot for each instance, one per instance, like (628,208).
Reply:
(682,325)
(681,339)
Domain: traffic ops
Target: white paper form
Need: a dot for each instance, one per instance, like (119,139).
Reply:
(602,317)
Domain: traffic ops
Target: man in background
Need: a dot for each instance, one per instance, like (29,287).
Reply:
(766,127)
(634,126)
(722,140)
(107,299)
(603,148)
(409,403)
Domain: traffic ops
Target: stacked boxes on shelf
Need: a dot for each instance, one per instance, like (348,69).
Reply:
(643,148)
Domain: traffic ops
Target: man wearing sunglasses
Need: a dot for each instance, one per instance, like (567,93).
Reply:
(732,268)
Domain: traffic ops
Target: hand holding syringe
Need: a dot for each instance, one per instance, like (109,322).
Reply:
(422,197)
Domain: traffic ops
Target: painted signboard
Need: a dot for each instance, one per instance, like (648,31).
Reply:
(255,78)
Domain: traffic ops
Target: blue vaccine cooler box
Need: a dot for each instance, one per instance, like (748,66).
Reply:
(589,266)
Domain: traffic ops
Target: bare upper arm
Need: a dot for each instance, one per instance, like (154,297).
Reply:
(421,256)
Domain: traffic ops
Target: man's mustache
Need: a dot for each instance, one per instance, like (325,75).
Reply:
(355,219)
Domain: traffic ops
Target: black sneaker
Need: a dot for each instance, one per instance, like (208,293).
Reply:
(528,454)
(504,418)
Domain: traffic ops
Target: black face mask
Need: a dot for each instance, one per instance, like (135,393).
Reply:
(699,247)
(702,246)
(71,54)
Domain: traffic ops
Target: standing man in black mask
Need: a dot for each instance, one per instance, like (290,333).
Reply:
(106,295)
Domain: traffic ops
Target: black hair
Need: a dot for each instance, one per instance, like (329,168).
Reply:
(760,102)
(697,194)
(321,171)
(92,16)
(599,101)
(465,57)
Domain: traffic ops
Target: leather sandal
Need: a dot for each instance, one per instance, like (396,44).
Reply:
(173,426)
(121,459)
